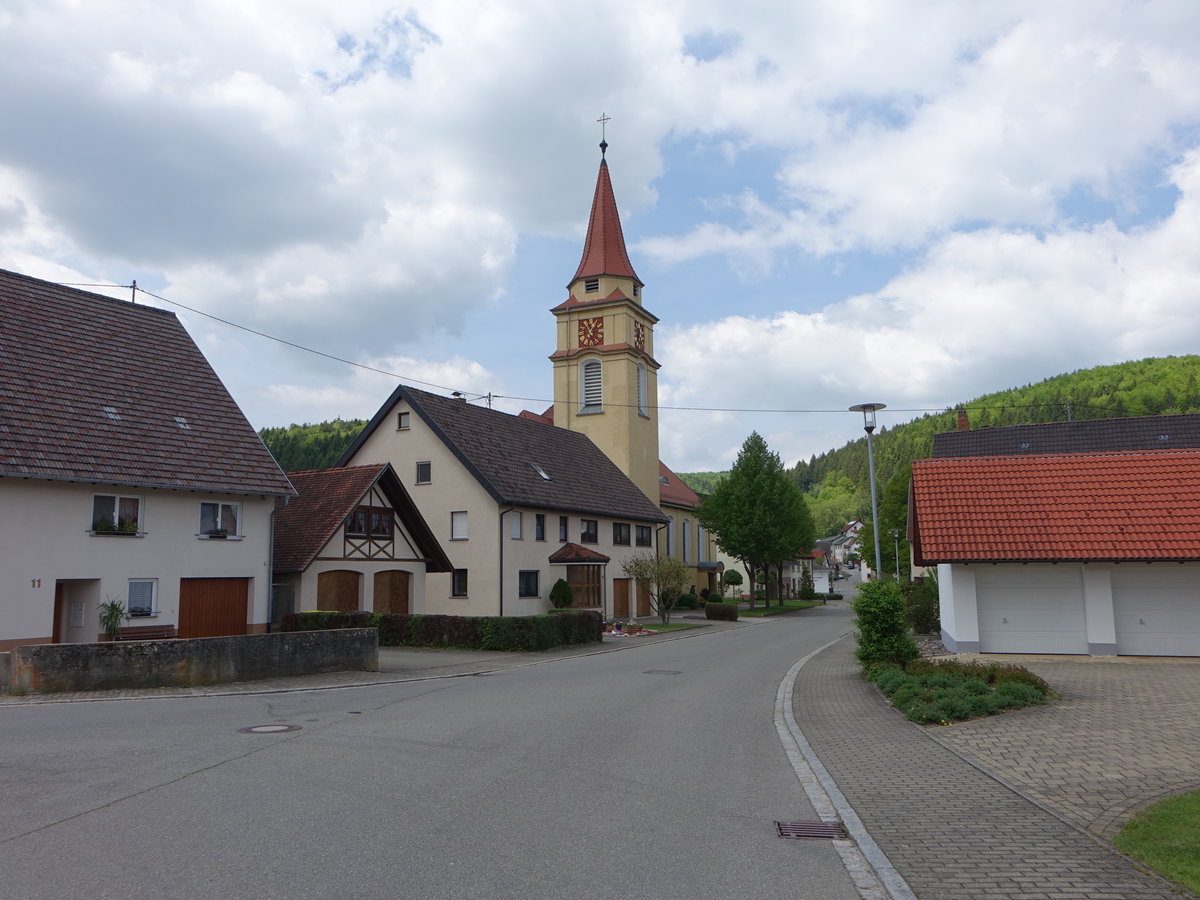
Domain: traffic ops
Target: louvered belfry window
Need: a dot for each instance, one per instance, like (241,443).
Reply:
(593,396)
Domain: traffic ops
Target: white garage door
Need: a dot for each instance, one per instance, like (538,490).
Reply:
(1030,609)
(1157,610)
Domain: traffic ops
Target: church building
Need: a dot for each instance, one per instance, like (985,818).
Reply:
(519,502)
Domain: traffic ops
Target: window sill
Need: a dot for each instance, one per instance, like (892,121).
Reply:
(219,537)
(150,615)
(124,534)
(591,410)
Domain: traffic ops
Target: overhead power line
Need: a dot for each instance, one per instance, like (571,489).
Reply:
(490,397)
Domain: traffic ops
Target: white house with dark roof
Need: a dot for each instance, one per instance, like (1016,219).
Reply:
(127,472)
(516,504)
(353,539)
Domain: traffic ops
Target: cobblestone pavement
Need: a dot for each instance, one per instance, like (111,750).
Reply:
(950,829)
(1125,734)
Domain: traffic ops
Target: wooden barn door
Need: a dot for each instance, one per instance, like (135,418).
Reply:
(391,592)
(213,607)
(338,591)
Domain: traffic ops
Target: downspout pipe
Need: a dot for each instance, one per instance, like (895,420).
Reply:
(500,580)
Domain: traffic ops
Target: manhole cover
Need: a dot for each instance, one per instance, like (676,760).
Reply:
(798,831)
(267,729)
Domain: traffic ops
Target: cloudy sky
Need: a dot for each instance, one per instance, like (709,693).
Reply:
(829,202)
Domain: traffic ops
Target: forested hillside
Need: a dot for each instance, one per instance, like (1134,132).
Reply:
(836,481)
(298,448)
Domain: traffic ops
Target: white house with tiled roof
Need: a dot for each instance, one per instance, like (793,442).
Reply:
(127,472)
(515,503)
(1069,537)
(353,539)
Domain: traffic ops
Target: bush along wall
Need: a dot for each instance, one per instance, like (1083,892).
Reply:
(519,633)
(727,612)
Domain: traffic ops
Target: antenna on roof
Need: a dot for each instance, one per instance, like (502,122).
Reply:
(603,120)
(133,292)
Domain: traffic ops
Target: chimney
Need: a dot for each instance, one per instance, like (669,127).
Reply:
(963,424)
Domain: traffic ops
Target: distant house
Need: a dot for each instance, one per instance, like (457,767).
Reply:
(353,539)
(516,503)
(127,472)
(1052,545)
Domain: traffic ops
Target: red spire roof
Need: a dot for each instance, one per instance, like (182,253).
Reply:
(604,249)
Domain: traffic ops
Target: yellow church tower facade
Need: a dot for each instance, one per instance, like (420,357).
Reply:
(605,374)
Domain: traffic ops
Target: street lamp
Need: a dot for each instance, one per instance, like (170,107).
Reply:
(896,539)
(868,410)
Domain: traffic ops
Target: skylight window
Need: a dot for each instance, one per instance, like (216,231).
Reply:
(542,472)
(111,412)
(183,423)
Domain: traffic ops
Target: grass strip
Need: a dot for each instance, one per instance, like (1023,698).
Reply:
(1163,836)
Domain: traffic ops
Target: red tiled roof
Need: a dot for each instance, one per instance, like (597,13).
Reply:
(604,248)
(1073,507)
(673,491)
(573,553)
(326,498)
(103,390)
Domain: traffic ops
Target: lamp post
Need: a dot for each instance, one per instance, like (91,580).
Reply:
(896,539)
(868,410)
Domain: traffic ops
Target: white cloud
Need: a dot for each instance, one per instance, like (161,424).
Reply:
(977,308)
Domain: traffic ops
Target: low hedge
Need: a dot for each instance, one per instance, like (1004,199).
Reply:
(726,612)
(520,633)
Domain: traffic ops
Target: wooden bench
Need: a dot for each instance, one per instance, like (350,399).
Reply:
(147,633)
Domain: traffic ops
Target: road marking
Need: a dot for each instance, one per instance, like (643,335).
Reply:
(866,864)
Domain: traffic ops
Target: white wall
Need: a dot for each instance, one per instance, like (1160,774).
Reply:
(46,537)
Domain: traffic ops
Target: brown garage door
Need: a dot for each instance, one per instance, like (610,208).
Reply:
(338,591)
(213,607)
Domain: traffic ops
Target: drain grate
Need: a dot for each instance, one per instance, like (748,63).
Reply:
(663,672)
(799,831)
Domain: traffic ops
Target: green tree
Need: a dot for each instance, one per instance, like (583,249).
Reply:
(893,516)
(757,514)
(663,577)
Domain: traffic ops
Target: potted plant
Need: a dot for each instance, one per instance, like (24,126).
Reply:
(112,614)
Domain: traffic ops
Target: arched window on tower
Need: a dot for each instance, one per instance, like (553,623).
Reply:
(591,394)
(643,398)
(687,527)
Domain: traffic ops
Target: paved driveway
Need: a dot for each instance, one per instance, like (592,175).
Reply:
(1125,734)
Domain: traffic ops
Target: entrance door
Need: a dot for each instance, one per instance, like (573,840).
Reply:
(643,600)
(338,591)
(213,607)
(391,592)
(620,598)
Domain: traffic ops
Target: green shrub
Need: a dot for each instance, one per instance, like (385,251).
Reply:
(727,612)
(921,607)
(833,596)
(906,693)
(888,677)
(922,714)
(882,633)
(687,601)
(560,595)
(1013,695)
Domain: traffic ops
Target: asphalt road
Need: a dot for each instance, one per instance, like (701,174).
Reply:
(655,772)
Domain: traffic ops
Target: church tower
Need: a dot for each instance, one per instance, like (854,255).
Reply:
(605,375)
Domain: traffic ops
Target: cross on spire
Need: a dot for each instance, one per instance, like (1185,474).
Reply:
(603,120)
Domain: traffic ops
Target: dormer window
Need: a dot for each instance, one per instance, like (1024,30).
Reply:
(591,285)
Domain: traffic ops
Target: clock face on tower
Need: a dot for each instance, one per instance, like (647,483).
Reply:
(591,332)
(639,335)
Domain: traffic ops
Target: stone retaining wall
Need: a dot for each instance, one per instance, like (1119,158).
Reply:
(142,664)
